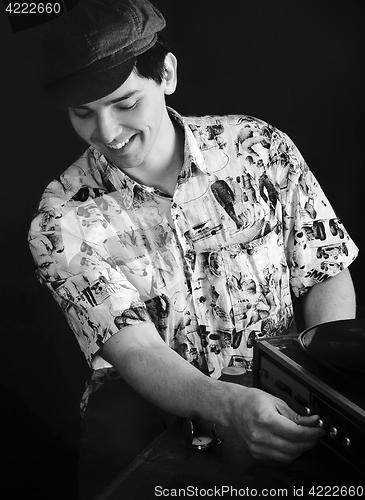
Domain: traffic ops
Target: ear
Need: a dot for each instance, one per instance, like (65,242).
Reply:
(170,80)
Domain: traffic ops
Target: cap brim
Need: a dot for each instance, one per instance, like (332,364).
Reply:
(85,88)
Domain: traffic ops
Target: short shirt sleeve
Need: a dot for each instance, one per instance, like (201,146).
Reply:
(94,294)
(317,244)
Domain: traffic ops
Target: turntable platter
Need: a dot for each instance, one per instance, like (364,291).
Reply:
(340,344)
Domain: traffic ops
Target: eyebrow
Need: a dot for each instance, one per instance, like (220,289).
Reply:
(113,101)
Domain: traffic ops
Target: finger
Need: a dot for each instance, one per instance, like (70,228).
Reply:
(310,421)
(288,424)
(303,420)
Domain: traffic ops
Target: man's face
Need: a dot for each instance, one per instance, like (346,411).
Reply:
(127,126)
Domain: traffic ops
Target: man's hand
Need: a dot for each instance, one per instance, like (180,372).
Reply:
(267,426)
(270,429)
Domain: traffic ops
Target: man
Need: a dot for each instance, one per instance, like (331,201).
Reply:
(171,243)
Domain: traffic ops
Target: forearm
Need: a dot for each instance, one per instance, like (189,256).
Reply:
(334,299)
(177,386)
(163,377)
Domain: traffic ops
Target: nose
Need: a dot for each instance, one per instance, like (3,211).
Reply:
(108,128)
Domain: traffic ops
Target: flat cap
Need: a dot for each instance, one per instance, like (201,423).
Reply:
(91,50)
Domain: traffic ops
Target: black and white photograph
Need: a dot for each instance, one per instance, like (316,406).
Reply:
(183,306)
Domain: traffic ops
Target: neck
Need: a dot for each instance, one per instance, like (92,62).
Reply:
(162,169)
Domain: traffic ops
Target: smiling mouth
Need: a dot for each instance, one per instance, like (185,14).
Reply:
(119,145)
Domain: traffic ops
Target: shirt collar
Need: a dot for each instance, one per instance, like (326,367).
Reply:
(116,180)
(192,152)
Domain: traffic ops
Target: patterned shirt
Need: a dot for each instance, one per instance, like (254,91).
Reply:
(212,266)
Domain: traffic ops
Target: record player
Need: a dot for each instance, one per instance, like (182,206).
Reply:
(321,371)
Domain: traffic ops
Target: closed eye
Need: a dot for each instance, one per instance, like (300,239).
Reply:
(79,113)
(128,108)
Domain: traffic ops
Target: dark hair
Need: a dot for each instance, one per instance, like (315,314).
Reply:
(151,64)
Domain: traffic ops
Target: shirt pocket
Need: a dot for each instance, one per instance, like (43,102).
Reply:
(213,235)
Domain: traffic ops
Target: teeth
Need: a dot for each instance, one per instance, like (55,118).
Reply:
(120,145)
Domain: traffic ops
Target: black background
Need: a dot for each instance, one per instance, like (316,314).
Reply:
(298,65)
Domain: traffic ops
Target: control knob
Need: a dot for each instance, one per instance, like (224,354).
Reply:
(346,443)
(324,422)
